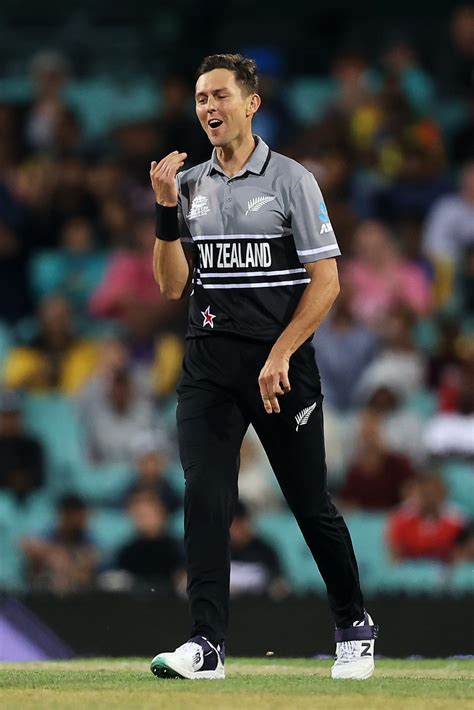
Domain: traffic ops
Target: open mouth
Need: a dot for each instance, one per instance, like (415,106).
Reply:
(214,123)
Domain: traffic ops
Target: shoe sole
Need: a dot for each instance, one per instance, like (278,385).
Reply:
(368,674)
(161,669)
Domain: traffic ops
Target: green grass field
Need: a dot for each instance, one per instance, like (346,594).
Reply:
(103,683)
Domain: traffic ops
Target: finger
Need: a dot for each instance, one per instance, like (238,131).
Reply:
(265,399)
(275,404)
(170,166)
(167,158)
(163,160)
(285,382)
(276,385)
(173,169)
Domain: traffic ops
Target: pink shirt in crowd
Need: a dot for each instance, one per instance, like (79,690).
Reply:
(129,277)
(374,293)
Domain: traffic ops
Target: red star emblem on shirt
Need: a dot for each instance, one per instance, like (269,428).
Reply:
(208,317)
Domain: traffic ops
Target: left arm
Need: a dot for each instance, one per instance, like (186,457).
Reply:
(313,307)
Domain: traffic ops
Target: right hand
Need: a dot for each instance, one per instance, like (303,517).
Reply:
(163,176)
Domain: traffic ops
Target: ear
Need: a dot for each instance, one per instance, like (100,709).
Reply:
(253,104)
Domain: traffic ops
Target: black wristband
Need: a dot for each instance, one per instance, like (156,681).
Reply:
(167,228)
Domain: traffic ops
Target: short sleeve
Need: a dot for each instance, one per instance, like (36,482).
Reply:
(312,230)
(184,233)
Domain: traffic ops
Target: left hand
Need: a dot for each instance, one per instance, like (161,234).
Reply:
(273,380)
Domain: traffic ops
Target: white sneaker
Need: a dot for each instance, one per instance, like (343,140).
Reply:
(355,650)
(197,658)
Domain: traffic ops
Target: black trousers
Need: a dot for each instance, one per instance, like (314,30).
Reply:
(218,397)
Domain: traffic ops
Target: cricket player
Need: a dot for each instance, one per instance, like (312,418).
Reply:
(249,234)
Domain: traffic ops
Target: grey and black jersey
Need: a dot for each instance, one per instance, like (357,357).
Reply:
(251,235)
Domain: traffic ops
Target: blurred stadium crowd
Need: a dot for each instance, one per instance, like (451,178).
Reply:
(90,482)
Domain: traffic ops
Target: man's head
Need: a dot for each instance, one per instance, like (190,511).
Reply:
(72,516)
(226,97)
(241,530)
(431,494)
(148,513)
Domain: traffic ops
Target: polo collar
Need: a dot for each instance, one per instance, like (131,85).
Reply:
(256,163)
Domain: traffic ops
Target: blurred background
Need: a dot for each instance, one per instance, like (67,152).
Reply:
(378,103)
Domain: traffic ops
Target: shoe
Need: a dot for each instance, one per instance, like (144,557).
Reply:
(355,650)
(197,658)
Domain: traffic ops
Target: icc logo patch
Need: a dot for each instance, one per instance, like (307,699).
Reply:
(199,207)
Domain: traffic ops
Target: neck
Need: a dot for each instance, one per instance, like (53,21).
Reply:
(233,156)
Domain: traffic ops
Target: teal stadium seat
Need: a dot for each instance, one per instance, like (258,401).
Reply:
(6,341)
(459,479)
(281,531)
(101,484)
(110,530)
(414,577)
(35,515)
(54,420)
(11,562)
(309,96)
(462,578)
(368,538)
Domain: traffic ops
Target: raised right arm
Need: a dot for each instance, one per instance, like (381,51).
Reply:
(171,268)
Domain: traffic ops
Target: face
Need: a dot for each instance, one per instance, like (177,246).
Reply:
(223,107)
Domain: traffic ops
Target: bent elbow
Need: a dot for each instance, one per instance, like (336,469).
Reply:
(171,294)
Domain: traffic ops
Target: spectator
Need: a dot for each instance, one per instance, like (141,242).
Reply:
(380,278)
(113,420)
(377,478)
(425,527)
(152,557)
(449,230)
(344,348)
(63,560)
(399,365)
(129,293)
(401,429)
(15,297)
(49,72)
(451,431)
(21,455)
(255,568)
(74,270)
(457,61)
(152,455)
(56,359)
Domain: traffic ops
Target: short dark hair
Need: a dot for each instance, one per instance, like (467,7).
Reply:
(245,69)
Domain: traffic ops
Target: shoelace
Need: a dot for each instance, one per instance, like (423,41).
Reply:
(347,651)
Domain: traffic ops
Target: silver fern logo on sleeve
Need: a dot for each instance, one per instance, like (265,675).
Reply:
(303,416)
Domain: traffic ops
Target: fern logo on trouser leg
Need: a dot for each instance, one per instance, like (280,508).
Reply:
(303,416)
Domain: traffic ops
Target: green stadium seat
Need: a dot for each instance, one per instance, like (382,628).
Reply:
(368,538)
